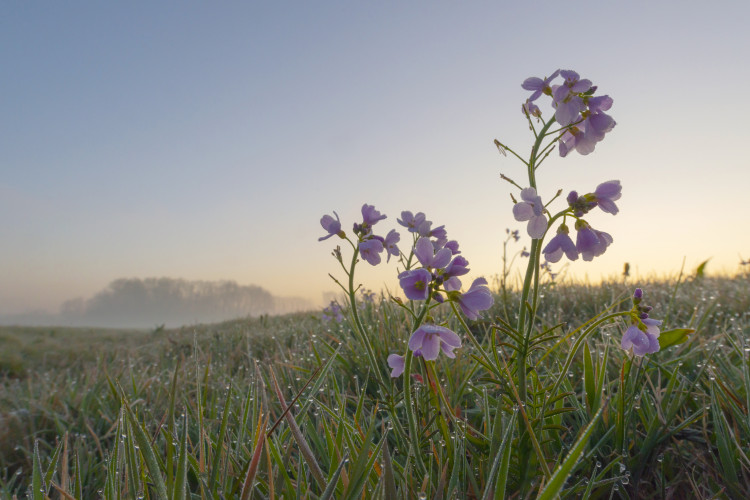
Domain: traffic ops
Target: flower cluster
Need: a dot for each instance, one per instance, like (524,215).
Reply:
(643,334)
(334,312)
(438,279)
(589,242)
(370,246)
(576,108)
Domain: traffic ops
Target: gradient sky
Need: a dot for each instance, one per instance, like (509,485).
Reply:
(204,140)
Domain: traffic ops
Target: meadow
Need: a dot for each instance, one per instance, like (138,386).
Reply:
(287,406)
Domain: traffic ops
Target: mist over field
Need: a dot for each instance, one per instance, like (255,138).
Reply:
(152,302)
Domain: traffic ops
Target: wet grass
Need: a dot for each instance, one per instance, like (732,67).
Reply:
(199,412)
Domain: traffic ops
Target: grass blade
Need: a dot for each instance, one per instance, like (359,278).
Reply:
(557,481)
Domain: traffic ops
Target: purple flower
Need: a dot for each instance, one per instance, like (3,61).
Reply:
(452,284)
(333,226)
(440,234)
(333,313)
(452,245)
(477,298)
(428,340)
(415,283)
(370,216)
(561,243)
(581,205)
(591,243)
(567,100)
(531,209)
(411,221)
(457,267)
(606,194)
(539,86)
(425,252)
(397,364)
(370,250)
(531,109)
(642,342)
(390,244)
(598,122)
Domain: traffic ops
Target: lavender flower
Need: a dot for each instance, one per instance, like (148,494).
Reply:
(606,194)
(452,245)
(567,100)
(559,244)
(477,298)
(457,267)
(390,244)
(428,340)
(591,243)
(333,313)
(531,109)
(642,342)
(411,221)
(370,250)
(370,216)
(333,226)
(531,209)
(428,257)
(415,283)
(397,364)
(539,86)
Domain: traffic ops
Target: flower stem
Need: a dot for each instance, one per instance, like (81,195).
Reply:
(360,328)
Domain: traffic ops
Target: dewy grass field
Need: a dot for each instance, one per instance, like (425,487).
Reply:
(116,417)
(539,389)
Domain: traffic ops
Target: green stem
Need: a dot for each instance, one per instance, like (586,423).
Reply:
(408,401)
(359,327)
(531,269)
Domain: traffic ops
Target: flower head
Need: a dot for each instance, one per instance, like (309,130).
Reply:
(397,364)
(539,86)
(591,243)
(370,250)
(641,342)
(560,244)
(643,334)
(333,226)
(416,283)
(370,216)
(531,209)
(390,243)
(333,312)
(428,340)
(428,257)
(477,298)
(411,221)
(606,194)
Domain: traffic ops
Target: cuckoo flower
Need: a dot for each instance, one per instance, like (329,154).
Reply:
(477,298)
(591,243)
(370,250)
(411,221)
(641,342)
(390,244)
(428,340)
(643,335)
(606,194)
(559,244)
(416,283)
(397,364)
(428,257)
(531,209)
(539,86)
(370,216)
(333,226)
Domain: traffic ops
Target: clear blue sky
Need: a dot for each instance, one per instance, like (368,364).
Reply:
(205,140)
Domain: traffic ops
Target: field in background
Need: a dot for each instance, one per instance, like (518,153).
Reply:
(67,386)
